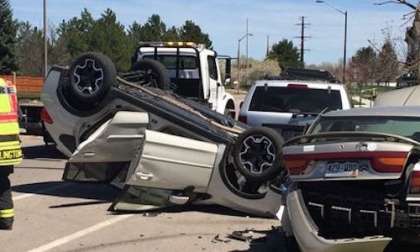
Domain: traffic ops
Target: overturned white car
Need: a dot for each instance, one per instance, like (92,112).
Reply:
(160,148)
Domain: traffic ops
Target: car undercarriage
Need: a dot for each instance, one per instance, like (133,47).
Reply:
(159,148)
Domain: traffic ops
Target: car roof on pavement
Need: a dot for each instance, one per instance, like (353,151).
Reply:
(403,111)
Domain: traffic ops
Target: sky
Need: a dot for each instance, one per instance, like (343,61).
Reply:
(225,21)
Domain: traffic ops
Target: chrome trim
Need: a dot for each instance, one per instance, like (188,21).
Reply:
(124,137)
(343,209)
(417,213)
(321,206)
(375,216)
(167,160)
(413,198)
(392,212)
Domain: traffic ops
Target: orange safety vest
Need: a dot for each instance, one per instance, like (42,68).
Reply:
(10,149)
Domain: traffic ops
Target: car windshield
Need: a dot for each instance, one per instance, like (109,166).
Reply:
(295,100)
(402,126)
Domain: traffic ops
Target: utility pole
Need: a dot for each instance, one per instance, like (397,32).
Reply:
(45,41)
(302,38)
(268,46)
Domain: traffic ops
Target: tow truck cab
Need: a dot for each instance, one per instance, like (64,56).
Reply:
(194,72)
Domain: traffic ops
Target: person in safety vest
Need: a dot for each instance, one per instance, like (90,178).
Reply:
(10,150)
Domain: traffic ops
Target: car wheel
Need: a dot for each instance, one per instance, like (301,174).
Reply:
(227,113)
(154,74)
(257,154)
(91,77)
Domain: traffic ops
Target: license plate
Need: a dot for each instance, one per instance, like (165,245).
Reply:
(339,169)
(10,154)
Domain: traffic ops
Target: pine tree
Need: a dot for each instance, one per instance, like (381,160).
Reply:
(108,36)
(190,32)
(8,29)
(286,54)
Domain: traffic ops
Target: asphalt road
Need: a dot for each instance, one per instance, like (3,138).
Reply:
(52,215)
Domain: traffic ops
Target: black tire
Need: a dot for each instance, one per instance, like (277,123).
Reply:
(257,154)
(154,74)
(91,77)
(227,113)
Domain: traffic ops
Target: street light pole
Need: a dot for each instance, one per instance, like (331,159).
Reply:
(247,55)
(239,58)
(45,40)
(239,66)
(345,35)
(345,48)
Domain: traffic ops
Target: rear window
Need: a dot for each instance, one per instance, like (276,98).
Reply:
(169,61)
(295,100)
(402,126)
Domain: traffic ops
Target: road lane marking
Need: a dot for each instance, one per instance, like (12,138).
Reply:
(81,233)
(50,189)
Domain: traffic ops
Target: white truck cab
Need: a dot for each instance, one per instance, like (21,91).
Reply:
(194,72)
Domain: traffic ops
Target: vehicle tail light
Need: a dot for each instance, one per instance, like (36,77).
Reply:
(242,119)
(297,86)
(384,162)
(45,117)
(389,162)
(415,180)
(296,167)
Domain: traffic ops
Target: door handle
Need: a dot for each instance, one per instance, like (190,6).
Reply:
(144,176)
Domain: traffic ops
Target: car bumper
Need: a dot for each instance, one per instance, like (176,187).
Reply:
(306,232)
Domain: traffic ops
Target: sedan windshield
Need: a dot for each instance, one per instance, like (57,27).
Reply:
(402,126)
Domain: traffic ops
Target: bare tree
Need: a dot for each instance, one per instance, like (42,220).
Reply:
(403,2)
(412,36)
(29,49)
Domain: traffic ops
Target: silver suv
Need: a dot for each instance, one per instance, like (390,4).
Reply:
(288,106)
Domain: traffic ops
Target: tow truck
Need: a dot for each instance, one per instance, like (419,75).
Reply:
(193,70)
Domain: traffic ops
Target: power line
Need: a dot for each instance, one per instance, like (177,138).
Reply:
(302,38)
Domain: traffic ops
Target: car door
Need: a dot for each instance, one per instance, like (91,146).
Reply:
(213,80)
(173,162)
(109,150)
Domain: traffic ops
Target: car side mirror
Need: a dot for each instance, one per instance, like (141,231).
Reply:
(227,81)
(228,69)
